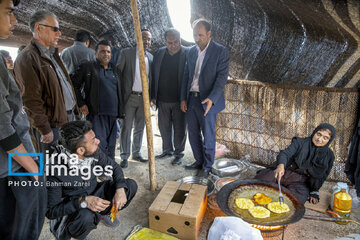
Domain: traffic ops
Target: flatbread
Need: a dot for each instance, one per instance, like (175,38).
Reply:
(259,212)
(244,203)
(261,198)
(277,207)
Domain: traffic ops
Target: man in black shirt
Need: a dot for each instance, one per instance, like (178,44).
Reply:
(102,103)
(76,201)
(168,68)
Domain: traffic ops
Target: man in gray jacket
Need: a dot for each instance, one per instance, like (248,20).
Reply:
(79,52)
(22,188)
(129,72)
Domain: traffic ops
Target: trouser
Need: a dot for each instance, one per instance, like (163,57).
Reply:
(46,147)
(201,131)
(134,115)
(105,128)
(79,224)
(22,208)
(172,126)
(293,181)
(119,125)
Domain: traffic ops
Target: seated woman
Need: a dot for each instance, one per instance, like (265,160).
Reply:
(304,165)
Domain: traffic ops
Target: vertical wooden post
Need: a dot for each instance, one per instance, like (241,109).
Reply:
(146,97)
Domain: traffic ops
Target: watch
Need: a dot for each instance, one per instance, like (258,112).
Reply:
(83,202)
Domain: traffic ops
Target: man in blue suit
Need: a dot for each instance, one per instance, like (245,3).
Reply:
(202,94)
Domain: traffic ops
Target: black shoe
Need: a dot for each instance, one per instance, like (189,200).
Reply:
(203,173)
(192,166)
(124,163)
(177,161)
(139,158)
(163,154)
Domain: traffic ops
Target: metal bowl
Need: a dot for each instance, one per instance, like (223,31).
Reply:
(227,167)
(199,180)
(223,181)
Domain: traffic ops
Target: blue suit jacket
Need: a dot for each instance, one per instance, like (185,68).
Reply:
(213,75)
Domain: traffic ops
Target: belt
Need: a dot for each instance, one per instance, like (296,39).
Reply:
(69,112)
(195,94)
(136,93)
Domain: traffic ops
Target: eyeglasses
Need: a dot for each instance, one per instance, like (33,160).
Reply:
(55,29)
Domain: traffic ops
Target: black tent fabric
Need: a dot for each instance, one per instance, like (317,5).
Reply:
(352,167)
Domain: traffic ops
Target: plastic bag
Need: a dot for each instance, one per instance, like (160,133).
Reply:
(232,228)
(220,150)
(355,199)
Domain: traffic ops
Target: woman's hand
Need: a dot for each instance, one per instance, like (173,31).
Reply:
(279,171)
(313,200)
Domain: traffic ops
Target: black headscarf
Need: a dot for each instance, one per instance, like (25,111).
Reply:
(316,161)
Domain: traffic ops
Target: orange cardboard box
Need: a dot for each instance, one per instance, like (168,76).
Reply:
(179,209)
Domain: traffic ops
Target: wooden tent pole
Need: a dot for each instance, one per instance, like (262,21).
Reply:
(146,97)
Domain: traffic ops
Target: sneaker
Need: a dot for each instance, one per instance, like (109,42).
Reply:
(106,219)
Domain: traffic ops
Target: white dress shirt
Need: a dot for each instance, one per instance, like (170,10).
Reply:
(201,55)
(137,87)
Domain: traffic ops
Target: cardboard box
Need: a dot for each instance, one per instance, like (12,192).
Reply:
(179,209)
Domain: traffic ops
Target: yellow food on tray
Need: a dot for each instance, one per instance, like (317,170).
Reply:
(114,212)
(259,212)
(244,203)
(277,207)
(261,199)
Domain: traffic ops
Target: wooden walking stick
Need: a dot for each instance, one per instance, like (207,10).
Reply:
(146,97)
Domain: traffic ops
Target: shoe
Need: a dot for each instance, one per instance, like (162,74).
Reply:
(124,163)
(139,158)
(192,166)
(203,173)
(163,154)
(107,221)
(177,161)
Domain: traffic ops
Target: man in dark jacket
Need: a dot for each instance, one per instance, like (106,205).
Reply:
(76,201)
(168,72)
(48,97)
(22,198)
(102,103)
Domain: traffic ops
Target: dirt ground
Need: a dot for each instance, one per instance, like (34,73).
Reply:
(137,212)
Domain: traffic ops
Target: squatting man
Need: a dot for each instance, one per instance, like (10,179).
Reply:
(74,211)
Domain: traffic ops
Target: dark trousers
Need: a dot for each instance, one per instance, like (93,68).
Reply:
(79,224)
(43,147)
(105,129)
(22,208)
(172,126)
(202,135)
(293,181)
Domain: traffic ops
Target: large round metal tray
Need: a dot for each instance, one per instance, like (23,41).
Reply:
(247,188)
(199,180)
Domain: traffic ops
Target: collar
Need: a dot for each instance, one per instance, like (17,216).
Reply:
(47,51)
(78,43)
(199,51)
